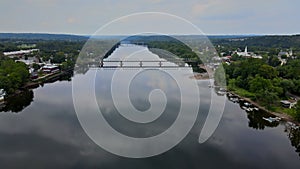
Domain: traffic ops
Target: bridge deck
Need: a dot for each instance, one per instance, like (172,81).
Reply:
(141,64)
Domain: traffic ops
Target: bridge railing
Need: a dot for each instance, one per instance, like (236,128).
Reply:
(140,64)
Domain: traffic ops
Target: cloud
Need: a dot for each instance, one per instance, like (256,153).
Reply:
(214,17)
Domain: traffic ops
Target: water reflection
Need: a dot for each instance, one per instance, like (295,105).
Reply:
(256,120)
(18,102)
(47,134)
(293,133)
(255,116)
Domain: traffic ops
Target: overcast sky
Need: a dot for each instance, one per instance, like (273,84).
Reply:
(211,16)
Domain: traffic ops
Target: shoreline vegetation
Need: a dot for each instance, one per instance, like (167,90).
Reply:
(264,81)
(47,78)
(282,115)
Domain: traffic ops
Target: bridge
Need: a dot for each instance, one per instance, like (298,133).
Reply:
(141,64)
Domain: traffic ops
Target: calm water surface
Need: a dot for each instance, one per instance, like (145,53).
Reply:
(40,129)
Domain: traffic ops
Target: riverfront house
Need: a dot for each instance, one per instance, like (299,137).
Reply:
(288,104)
(50,69)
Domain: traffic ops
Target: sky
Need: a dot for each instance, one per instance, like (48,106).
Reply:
(213,17)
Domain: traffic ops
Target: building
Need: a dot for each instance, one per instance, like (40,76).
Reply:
(248,54)
(288,104)
(282,59)
(245,53)
(19,53)
(285,53)
(50,69)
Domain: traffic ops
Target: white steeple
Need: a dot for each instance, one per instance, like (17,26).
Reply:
(291,52)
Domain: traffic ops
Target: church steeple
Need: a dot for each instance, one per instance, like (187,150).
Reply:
(291,52)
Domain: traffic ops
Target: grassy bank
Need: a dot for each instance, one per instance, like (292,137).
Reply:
(275,109)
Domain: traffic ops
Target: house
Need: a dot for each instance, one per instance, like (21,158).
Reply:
(285,53)
(282,59)
(50,69)
(288,104)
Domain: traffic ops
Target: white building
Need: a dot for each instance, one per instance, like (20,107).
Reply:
(245,53)
(19,53)
(248,54)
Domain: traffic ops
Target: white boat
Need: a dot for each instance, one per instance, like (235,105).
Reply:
(272,119)
(221,92)
(247,104)
(249,109)
(234,99)
(267,119)
(275,118)
(293,125)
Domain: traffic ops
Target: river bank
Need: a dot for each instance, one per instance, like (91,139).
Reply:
(32,84)
(282,115)
(47,78)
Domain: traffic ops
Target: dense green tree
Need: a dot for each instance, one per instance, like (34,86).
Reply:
(259,83)
(274,61)
(59,57)
(12,75)
(267,71)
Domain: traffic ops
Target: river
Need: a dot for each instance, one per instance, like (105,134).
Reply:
(40,129)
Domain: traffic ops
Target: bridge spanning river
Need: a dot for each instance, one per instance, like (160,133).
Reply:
(140,64)
(138,56)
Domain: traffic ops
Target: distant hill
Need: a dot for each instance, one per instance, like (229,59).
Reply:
(40,36)
(274,41)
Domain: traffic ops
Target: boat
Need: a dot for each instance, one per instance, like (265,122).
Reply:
(249,109)
(256,108)
(221,92)
(267,119)
(233,99)
(272,119)
(275,118)
(293,125)
(247,104)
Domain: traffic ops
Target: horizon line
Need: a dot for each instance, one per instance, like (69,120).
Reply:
(217,34)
